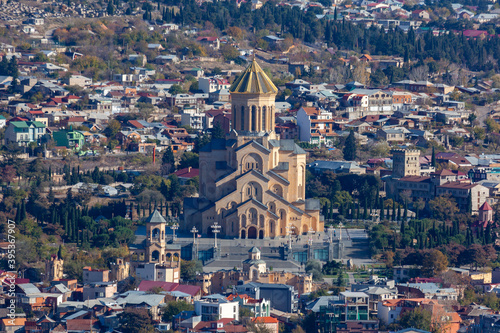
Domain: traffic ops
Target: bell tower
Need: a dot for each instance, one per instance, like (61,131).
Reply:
(155,238)
(253,96)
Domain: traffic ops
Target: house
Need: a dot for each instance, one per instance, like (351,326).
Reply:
(156,47)
(186,174)
(91,275)
(167,59)
(216,307)
(391,135)
(24,132)
(283,297)
(420,14)
(212,42)
(69,139)
(315,125)
(465,194)
(78,80)
(13,325)
(168,27)
(212,84)
(271,324)
(273,40)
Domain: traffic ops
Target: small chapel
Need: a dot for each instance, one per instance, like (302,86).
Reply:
(252,183)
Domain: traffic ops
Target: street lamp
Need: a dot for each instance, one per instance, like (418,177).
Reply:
(215,229)
(330,233)
(290,229)
(174,227)
(194,231)
(310,232)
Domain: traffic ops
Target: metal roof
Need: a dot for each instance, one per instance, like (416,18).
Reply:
(253,81)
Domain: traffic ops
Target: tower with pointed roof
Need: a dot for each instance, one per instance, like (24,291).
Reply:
(151,258)
(155,237)
(485,213)
(253,96)
(252,183)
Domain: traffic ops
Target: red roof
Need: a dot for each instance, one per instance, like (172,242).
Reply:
(187,173)
(75,120)
(169,286)
(80,324)
(265,320)
(206,39)
(475,33)
(135,123)
(485,206)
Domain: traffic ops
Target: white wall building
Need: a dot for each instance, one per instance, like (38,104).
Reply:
(215,307)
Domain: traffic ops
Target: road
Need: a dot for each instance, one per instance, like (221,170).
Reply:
(482,112)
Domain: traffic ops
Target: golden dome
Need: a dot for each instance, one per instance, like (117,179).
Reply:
(253,80)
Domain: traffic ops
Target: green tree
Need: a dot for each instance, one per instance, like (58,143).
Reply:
(229,52)
(135,320)
(418,318)
(491,125)
(176,89)
(114,126)
(173,308)
(350,147)
(443,207)
(168,160)
(190,268)
(189,159)
(434,262)
(314,267)
(218,131)
(110,9)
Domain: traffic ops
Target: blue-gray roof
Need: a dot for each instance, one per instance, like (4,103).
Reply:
(316,304)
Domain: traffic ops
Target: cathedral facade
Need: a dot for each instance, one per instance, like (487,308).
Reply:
(252,183)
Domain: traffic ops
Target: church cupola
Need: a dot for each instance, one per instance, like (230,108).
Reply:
(253,98)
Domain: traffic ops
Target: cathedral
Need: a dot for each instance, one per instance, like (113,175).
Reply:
(252,183)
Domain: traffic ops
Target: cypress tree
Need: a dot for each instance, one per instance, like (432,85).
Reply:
(399,212)
(350,147)
(405,213)
(365,209)
(382,212)
(433,158)
(402,228)
(469,203)
(59,252)
(393,217)
(487,236)
(23,211)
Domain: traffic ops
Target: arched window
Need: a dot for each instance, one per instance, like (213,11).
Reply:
(254,118)
(242,118)
(264,114)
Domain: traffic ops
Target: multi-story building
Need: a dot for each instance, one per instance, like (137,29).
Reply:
(215,307)
(405,163)
(212,84)
(252,183)
(315,125)
(193,118)
(99,290)
(282,297)
(95,275)
(259,307)
(24,132)
(463,193)
(350,311)
(488,323)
